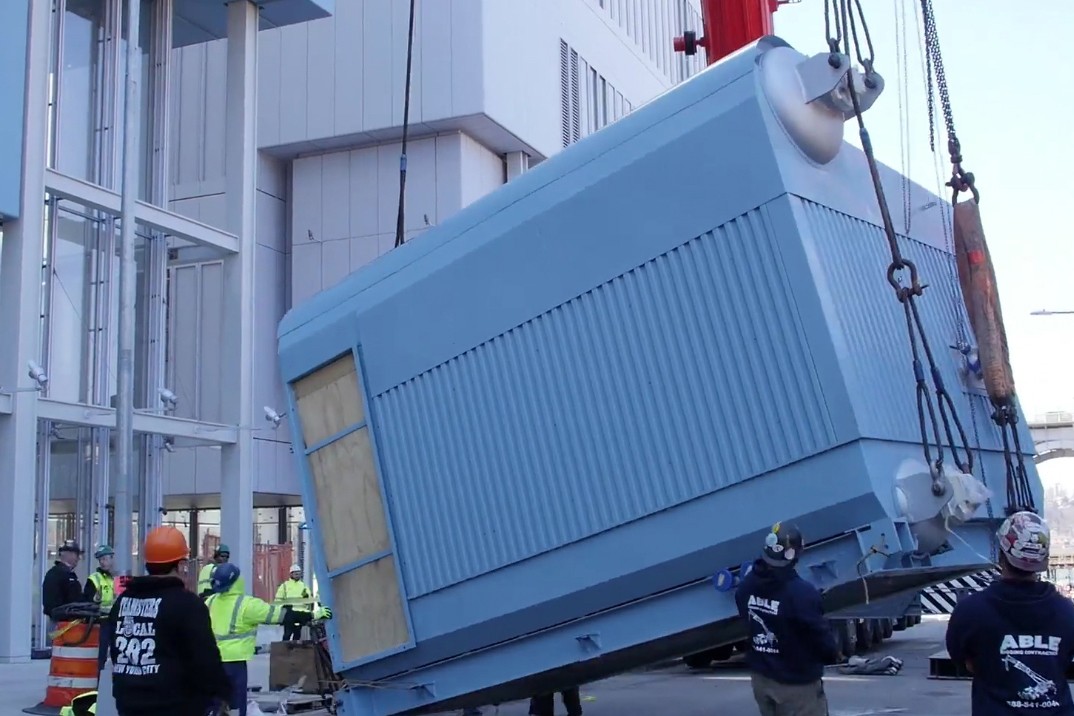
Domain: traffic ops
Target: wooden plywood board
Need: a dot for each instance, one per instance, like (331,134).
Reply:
(369,610)
(329,400)
(349,505)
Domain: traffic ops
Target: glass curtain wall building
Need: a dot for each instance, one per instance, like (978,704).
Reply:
(267,165)
(59,288)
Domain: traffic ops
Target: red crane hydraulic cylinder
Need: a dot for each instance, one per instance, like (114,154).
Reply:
(728,26)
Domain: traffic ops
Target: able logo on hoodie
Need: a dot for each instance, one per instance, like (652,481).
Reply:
(1035,688)
(764,641)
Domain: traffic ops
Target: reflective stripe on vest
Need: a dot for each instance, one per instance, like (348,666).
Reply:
(235,645)
(106,588)
(296,590)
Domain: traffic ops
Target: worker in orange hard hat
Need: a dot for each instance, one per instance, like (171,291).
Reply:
(162,645)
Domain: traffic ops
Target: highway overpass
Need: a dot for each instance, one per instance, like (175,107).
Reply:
(1053,436)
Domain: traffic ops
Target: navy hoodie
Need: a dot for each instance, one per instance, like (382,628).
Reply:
(1018,638)
(790,640)
(166,659)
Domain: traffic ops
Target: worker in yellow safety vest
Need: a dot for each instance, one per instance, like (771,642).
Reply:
(81,705)
(101,589)
(290,592)
(220,556)
(235,618)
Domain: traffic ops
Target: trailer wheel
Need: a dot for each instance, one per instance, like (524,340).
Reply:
(722,653)
(863,635)
(901,624)
(848,638)
(876,631)
(698,661)
(888,628)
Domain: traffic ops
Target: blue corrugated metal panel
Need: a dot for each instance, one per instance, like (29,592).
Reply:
(870,322)
(14,18)
(685,375)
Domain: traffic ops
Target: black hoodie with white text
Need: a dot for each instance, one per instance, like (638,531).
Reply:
(165,655)
(790,640)
(1017,637)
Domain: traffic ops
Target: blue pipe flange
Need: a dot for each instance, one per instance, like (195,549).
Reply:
(723,580)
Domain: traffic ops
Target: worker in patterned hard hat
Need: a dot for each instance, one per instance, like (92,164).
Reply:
(101,588)
(1016,636)
(286,594)
(220,556)
(235,618)
(162,647)
(790,641)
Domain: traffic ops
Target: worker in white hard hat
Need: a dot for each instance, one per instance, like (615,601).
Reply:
(291,593)
(1016,636)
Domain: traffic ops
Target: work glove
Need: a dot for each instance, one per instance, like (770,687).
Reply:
(322,613)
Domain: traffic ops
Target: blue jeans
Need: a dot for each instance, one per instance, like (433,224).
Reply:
(237,675)
(105,636)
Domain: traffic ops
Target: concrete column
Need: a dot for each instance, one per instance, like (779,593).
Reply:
(236,478)
(20,297)
(517,163)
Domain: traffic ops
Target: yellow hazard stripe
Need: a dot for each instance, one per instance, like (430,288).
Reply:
(60,632)
(294,601)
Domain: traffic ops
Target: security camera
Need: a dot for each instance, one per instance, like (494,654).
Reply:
(273,417)
(37,373)
(167,397)
(169,444)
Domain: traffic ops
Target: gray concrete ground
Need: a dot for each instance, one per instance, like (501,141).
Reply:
(723,689)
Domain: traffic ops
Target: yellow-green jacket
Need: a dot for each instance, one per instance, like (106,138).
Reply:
(104,588)
(293,589)
(88,696)
(235,617)
(204,575)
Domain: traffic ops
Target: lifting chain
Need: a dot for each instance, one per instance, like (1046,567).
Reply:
(930,414)
(1005,415)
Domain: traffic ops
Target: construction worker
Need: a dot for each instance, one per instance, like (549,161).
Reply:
(61,585)
(166,660)
(790,641)
(101,589)
(1016,636)
(235,618)
(220,556)
(289,590)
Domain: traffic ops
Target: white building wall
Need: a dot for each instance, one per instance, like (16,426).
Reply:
(345,203)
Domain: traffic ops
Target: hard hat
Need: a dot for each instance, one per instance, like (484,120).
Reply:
(295,568)
(69,546)
(223,549)
(103,551)
(223,577)
(1024,539)
(782,545)
(164,545)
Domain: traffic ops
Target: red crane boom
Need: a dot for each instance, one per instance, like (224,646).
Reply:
(728,26)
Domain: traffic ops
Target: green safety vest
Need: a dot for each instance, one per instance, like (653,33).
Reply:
(294,589)
(75,708)
(204,576)
(106,588)
(235,618)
